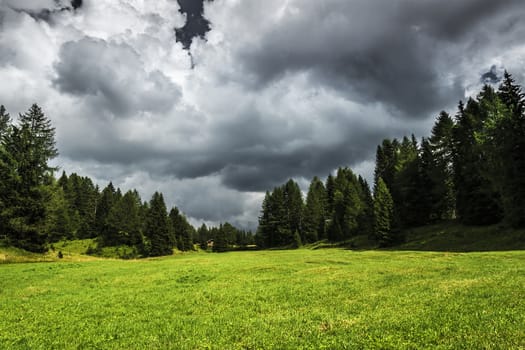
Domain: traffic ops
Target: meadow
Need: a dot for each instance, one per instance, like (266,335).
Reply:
(292,299)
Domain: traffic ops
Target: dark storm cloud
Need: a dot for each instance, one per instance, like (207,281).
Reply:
(491,77)
(45,10)
(196,25)
(391,52)
(76,4)
(113,77)
(256,153)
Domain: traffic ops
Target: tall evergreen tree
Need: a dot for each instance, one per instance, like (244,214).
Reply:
(31,145)
(383,213)
(315,212)
(507,136)
(477,200)
(107,199)
(181,229)
(123,222)
(365,219)
(5,123)
(293,202)
(157,227)
(440,168)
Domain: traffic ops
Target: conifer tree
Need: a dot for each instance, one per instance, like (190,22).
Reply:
(107,199)
(157,227)
(440,167)
(293,202)
(507,134)
(31,145)
(383,213)
(477,201)
(123,222)
(181,230)
(315,212)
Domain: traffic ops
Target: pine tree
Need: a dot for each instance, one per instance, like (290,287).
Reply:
(477,201)
(181,229)
(440,168)
(107,199)
(157,227)
(365,219)
(507,132)
(220,241)
(315,212)
(264,230)
(30,146)
(5,124)
(383,213)
(58,223)
(293,202)
(203,236)
(123,222)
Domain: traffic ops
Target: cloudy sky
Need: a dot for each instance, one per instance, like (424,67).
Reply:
(244,94)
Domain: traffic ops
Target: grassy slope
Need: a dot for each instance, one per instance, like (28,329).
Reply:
(453,237)
(71,251)
(327,298)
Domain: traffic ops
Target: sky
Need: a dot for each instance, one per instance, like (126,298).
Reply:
(214,102)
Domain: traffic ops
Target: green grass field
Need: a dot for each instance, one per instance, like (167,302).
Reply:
(297,299)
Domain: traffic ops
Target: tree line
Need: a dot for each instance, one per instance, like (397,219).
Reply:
(470,169)
(36,209)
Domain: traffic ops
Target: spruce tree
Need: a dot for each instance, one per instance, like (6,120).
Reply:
(440,167)
(181,229)
(30,146)
(106,200)
(507,132)
(220,241)
(123,222)
(477,200)
(157,227)
(5,123)
(315,212)
(293,202)
(383,214)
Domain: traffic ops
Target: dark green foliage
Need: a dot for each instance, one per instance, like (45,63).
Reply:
(365,219)
(157,229)
(350,206)
(123,221)
(58,224)
(315,212)
(27,148)
(5,124)
(506,140)
(106,200)
(293,202)
(281,215)
(203,236)
(181,229)
(409,192)
(438,159)
(81,195)
(387,162)
(220,240)
(477,200)
(383,214)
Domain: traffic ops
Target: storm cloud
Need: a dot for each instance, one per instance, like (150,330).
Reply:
(279,89)
(196,24)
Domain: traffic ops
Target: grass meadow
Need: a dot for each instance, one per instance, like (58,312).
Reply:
(295,299)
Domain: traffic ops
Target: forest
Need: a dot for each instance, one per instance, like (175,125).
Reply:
(37,209)
(469,169)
